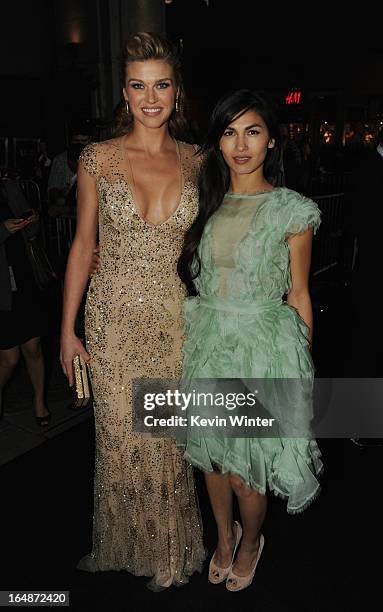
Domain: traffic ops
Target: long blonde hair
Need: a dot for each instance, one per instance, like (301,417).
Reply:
(144,46)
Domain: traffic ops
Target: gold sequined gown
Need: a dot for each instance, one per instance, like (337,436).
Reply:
(146,515)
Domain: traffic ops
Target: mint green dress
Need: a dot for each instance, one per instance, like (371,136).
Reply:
(238,327)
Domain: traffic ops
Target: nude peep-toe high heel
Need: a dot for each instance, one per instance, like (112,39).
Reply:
(238,583)
(218,574)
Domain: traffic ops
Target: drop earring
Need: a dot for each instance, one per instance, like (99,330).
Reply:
(127,107)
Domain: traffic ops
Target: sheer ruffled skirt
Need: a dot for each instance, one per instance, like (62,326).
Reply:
(271,345)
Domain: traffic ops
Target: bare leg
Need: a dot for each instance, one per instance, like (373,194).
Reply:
(35,365)
(221,500)
(8,362)
(252,506)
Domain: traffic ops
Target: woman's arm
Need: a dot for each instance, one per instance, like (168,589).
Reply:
(300,260)
(77,271)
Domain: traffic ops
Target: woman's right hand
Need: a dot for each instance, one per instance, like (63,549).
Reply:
(95,263)
(71,346)
(14,225)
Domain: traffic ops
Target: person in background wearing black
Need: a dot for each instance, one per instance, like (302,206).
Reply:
(67,206)
(22,317)
(42,167)
(367,219)
(292,159)
(63,174)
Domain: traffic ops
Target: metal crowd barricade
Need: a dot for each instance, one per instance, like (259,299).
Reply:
(61,234)
(32,193)
(65,229)
(328,244)
(329,183)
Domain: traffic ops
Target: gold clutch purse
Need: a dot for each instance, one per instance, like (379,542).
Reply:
(81,382)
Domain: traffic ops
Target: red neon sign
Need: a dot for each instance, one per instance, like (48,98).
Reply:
(293,97)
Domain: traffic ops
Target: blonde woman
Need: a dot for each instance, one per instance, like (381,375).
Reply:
(139,191)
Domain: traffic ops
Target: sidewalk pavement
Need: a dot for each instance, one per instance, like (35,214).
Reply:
(19,431)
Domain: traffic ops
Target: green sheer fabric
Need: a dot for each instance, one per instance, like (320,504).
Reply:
(240,327)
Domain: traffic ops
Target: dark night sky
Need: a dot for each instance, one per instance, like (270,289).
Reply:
(241,41)
(230,44)
(272,28)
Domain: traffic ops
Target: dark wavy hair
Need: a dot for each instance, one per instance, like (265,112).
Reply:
(141,47)
(214,178)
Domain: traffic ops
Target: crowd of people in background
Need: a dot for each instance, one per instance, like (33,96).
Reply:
(152,523)
(305,165)
(310,170)
(61,187)
(306,169)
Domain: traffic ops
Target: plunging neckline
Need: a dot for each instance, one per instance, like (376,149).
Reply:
(133,195)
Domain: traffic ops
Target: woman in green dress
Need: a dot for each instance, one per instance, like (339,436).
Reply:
(249,246)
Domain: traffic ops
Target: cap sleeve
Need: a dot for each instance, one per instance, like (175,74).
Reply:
(302,213)
(88,159)
(191,160)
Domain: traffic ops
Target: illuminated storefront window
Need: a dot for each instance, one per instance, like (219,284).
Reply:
(327,132)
